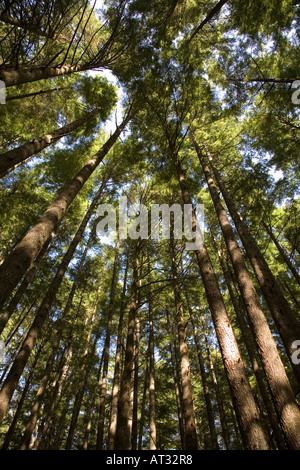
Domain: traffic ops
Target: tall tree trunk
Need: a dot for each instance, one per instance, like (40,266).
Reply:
(280,387)
(44,437)
(248,416)
(191,438)
(59,422)
(83,372)
(283,253)
(135,402)
(12,427)
(288,81)
(34,94)
(100,431)
(103,58)
(24,314)
(206,390)
(177,384)
(19,260)
(55,345)
(223,420)
(24,284)
(14,77)
(123,432)
(213,12)
(41,316)
(117,369)
(49,404)
(143,407)
(11,159)
(152,412)
(259,374)
(288,326)
(91,407)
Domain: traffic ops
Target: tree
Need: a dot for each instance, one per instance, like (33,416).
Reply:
(150,336)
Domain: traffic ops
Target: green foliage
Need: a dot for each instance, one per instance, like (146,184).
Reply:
(231,86)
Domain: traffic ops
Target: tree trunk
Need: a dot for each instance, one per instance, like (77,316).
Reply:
(213,12)
(83,373)
(24,284)
(283,253)
(33,94)
(152,413)
(11,430)
(285,321)
(177,385)
(49,405)
(223,420)
(11,159)
(288,81)
(248,416)
(143,407)
(91,407)
(258,372)
(55,345)
(123,432)
(206,391)
(100,431)
(57,385)
(117,370)
(12,77)
(134,428)
(17,367)
(19,260)
(191,438)
(280,387)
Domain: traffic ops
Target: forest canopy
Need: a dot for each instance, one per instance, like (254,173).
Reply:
(136,338)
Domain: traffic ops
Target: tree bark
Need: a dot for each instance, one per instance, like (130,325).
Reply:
(11,159)
(177,384)
(283,253)
(19,260)
(41,316)
(287,324)
(223,421)
(24,284)
(14,77)
(100,431)
(91,407)
(123,433)
(25,443)
(33,94)
(247,413)
(206,391)
(280,387)
(252,353)
(117,370)
(143,407)
(191,438)
(11,430)
(152,412)
(83,373)
(135,401)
